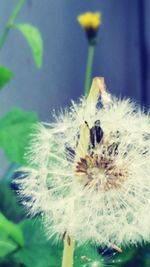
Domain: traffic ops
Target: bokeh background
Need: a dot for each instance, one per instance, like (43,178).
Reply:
(122,55)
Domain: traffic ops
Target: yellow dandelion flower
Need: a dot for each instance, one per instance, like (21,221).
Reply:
(90,20)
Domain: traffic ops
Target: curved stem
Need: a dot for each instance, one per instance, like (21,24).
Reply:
(11,21)
(68,252)
(88,73)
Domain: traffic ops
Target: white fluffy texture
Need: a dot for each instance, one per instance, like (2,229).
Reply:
(50,185)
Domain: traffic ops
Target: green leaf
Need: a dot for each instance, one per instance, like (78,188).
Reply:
(9,262)
(7,246)
(11,230)
(88,255)
(9,205)
(38,251)
(15,130)
(6,76)
(124,257)
(34,39)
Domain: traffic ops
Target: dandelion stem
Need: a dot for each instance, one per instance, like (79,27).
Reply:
(11,21)
(68,252)
(88,73)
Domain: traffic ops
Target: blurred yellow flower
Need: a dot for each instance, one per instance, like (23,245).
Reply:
(90,20)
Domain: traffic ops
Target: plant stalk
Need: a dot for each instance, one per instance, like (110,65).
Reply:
(88,73)
(68,252)
(11,22)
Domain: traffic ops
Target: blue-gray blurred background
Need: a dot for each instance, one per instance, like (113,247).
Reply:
(122,55)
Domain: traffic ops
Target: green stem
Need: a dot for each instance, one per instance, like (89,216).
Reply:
(11,22)
(88,73)
(68,252)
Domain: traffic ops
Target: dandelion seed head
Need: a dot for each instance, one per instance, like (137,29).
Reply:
(89,172)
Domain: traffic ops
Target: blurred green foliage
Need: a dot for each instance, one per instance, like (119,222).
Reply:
(34,40)
(16,125)
(9,229)
(31,34)
(15,129)
(19,238)
(22,241)
(6,75)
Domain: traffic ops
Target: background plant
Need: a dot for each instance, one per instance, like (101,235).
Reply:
(15,126)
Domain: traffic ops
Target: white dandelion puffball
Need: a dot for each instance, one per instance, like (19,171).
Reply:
(89,171)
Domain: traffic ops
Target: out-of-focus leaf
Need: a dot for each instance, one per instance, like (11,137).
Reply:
(34,39)
(15,129)
(6,246)
(121,258)
(145,255)
(146,262)
(11,230)
(9,205)
(88,256)
(9,262)
(38,251)
(6,76)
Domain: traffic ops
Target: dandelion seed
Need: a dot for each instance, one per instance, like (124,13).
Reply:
(89,171)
